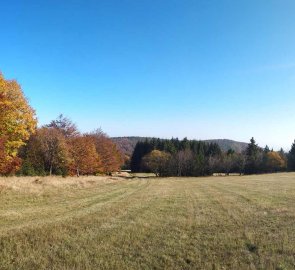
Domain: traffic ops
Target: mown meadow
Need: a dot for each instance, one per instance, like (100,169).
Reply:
(233,222)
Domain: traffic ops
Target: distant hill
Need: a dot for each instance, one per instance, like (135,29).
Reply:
(225,145)
(127,144)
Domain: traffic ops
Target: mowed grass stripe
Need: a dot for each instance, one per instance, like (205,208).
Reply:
(259,225)
(35,215)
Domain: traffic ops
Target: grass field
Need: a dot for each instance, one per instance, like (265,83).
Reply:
(166,223)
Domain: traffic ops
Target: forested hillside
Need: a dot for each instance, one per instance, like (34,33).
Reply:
(226,145)
(127,144)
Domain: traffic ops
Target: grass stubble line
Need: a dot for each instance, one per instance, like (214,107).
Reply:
(66,208)
(172,223)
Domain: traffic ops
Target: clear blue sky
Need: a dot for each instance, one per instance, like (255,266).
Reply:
(202,69)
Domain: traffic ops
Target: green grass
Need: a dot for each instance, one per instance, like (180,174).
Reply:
(166,223)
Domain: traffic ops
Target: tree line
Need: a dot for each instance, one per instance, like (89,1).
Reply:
(173,157)
(57,148)
(197,158)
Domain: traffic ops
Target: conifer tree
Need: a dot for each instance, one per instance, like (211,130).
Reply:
(266,149)
(253,158)
(291,158)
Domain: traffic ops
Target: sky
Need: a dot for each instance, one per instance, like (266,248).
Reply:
(202,69)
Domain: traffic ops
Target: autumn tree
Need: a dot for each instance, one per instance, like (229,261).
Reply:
(8,166)
(156,161)
(84,158)
(2,155)
(275,162)
(33,161)
(111,158)
(54,148)
(65,126)
(47,151)
(17,122)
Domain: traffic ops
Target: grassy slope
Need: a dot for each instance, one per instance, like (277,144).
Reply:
(189,223)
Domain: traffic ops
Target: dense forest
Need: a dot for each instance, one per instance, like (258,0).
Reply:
(60,148)
(197,158)
(173,157)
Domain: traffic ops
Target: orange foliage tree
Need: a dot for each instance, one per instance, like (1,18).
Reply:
(47,152)
(84,158)
(10,164)
(111,157)
(17,123)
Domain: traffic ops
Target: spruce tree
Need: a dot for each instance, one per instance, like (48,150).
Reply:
(253,162)
(266,149)
(291,158)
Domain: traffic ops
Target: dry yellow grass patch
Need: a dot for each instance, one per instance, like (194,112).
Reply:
(41,184)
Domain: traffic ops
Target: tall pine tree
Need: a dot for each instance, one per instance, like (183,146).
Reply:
(253,158)
(291,158)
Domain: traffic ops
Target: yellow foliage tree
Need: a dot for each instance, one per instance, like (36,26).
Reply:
(17,119)
(275,162)
(156,161)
